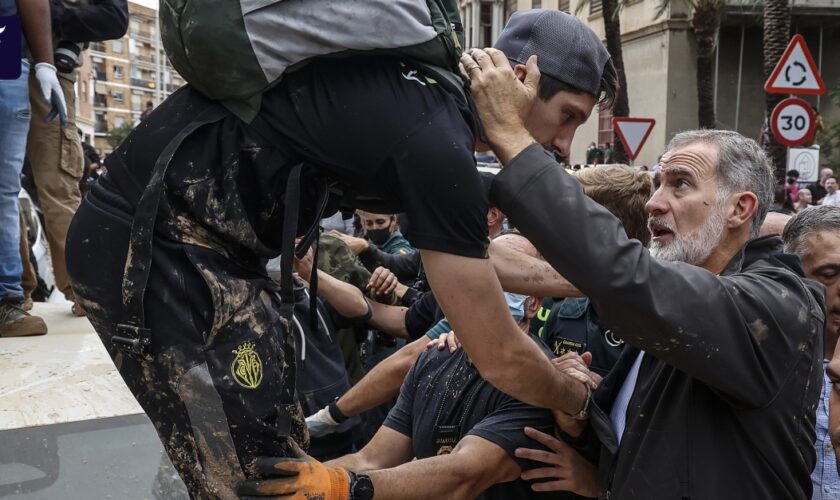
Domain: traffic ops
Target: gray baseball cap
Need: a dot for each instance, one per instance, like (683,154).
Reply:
(566,49)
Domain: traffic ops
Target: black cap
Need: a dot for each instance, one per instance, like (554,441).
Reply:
(566,49)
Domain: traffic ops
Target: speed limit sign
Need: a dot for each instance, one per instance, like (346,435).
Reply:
(793,122)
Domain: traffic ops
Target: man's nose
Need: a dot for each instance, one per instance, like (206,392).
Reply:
(562,144)
(658,204)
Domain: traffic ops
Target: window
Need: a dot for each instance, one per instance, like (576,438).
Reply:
(118,97)
(118,72)
(117,46)
(595,7)
(135,102)
(536,4)
(563,5)
(119,121)
(135,26)
(485,21)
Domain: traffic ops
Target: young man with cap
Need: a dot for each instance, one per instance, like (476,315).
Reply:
(376,129)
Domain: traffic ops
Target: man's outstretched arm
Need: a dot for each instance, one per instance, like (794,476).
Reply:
(471,297)
(521,273)
(473,466)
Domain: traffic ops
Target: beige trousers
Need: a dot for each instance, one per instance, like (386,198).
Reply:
(57,161)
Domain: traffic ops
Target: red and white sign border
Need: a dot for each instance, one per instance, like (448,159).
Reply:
(632,154)
(790,101)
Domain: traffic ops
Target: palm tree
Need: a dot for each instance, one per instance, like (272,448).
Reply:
(705,22)
(776,38)
(612,32)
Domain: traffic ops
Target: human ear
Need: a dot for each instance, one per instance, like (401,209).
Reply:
(745,207)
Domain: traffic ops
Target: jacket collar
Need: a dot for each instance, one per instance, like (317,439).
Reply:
(761,248)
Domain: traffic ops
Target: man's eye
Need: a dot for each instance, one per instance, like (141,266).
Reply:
(682,183)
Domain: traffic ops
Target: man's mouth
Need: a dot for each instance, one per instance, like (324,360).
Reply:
(658,230)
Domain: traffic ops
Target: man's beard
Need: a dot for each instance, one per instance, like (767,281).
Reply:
(693,248)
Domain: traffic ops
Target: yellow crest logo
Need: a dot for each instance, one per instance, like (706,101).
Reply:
(247,368)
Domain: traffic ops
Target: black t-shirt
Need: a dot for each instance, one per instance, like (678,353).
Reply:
(443,399)
(383,135)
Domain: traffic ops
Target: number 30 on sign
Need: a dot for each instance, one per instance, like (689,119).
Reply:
(793,122)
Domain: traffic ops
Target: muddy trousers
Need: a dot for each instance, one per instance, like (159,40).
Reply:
(216,371)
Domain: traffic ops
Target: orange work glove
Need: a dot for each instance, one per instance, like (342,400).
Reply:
(301,478)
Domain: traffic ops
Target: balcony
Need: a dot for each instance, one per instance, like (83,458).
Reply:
(146,84)
(149,60)
(100,75)
(97,47)
(100,101)
(100,127)
(141,36)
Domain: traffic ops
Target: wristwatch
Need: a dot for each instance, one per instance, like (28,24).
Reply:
(361,487)
(583,414)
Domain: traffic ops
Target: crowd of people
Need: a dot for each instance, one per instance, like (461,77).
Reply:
(535,333)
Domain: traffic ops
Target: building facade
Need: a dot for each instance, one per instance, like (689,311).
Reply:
(125,75)
(659,60)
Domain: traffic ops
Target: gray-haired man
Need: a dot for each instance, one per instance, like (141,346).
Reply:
(714,396)
(814,235)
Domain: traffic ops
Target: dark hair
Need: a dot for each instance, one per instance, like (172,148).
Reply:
(608,88)
(793,173)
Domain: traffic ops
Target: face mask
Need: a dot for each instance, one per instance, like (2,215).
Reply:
(379,236)
(516,304)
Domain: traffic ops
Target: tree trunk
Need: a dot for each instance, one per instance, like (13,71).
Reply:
(706,23)
(776,38)
(612,30)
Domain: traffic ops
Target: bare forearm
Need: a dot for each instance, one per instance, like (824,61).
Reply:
(37,27)
(382,383)
(389,319)
(438,477)
(471,297)
(521,273)
(346,299)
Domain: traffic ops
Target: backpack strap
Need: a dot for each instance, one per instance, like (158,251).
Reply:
(132,337)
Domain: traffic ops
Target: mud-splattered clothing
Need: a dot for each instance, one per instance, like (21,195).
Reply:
(215,379)
(443,399)
(724,404)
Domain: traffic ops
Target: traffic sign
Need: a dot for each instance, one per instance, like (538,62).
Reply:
(633,133)
(806,161)
(793,122)
(795,73)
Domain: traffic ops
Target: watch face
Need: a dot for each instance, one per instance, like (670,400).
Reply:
(363,488)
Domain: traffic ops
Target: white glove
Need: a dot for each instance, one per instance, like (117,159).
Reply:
(47,77)
(320,424)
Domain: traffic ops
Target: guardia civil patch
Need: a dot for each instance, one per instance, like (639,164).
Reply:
(561,346)
(247,368)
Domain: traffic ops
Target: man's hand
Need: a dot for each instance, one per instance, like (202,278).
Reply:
(303,265)
(446,340)
(321,423)
(501,99)
(358,245)
(296,478)
(51,91)
(577,367)
(568,470)
(382,282)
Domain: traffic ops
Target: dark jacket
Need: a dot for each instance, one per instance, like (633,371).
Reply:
(724,405)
